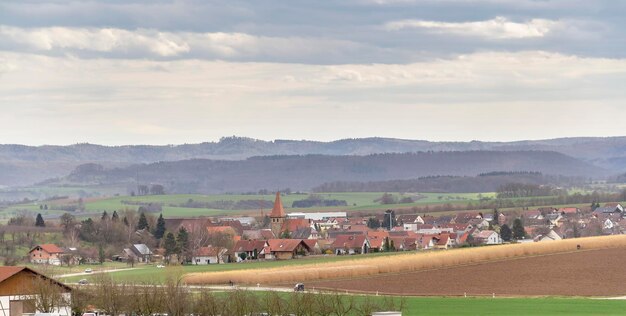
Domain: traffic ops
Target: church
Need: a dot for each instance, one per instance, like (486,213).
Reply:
(281,225)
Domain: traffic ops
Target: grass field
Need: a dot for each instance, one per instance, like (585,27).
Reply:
(149,273)
(357,201)
(513,306)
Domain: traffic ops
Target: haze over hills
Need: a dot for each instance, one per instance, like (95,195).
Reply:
(306,172)
(25,165)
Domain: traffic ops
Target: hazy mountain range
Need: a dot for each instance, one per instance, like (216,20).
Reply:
(305,172)
(590,157)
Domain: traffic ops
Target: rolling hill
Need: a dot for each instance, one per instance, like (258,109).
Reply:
(24,165)
(306,172)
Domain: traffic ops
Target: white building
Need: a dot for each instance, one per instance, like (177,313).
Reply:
(318,216)
(489,237)
(209,255)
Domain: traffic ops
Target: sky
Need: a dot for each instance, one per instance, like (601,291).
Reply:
(170,72)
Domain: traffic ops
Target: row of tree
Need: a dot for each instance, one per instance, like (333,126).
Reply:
(147,299)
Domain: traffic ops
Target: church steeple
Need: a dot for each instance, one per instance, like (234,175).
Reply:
(278,210)
(277,216)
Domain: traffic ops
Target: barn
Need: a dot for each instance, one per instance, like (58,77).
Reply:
(22,291)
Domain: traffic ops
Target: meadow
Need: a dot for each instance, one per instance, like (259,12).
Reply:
(512,306)
(356,201)
(149,273)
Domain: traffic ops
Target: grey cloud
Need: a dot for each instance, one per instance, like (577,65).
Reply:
(352,26)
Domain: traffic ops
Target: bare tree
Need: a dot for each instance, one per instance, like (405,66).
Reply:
(130,219)
(198,237)
(110,296)
(207,304)
(178,296)
(220,241)
(48,295)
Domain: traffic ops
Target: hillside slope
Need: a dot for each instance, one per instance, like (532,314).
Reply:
(24,165)
(305,172)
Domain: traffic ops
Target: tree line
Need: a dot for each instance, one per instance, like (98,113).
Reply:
(147,299)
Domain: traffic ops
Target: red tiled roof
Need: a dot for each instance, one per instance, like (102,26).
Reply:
(207,251)
(569,210)
(311,243)
(485,234)
(442,239)
(292,224)
(49,248)
(378,234)
(348,241)
(285,245)
(456,227)
(191,225)
(267,234)
(221,229)
(248,245)
(278,210)
(376,242)
(7,272)
(235,224)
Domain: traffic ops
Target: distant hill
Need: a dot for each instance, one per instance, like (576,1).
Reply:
(450,184)
(24,165)
(306,172)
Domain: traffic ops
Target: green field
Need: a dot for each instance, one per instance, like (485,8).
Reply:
(513,306)
(357,201)
(149,273)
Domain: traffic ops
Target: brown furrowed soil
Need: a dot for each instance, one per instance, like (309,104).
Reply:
(581,273)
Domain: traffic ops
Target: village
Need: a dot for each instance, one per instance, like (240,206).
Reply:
(286,236)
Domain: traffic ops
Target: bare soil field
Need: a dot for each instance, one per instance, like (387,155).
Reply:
(581,273)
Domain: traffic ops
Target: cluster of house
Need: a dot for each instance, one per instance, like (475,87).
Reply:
(549,223)
(296,235)
(54,255)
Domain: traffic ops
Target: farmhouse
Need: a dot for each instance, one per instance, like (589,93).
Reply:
(21,288)
(249,249)
(488,237)
(46,254)
(141,252)
(350,244)
(209,255)
(282,249)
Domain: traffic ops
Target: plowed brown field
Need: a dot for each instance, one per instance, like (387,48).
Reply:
(581,273)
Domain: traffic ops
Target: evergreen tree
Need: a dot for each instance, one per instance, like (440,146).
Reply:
(88,230)
(389,220)
(159,231)
(386,245)
(39,222)
(518,229)
(115,217)
(169,245)
(505,232)
(182,241)
(373,223)
(101,253)
(143,222)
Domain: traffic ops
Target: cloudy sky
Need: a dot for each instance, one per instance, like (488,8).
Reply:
(169,72)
